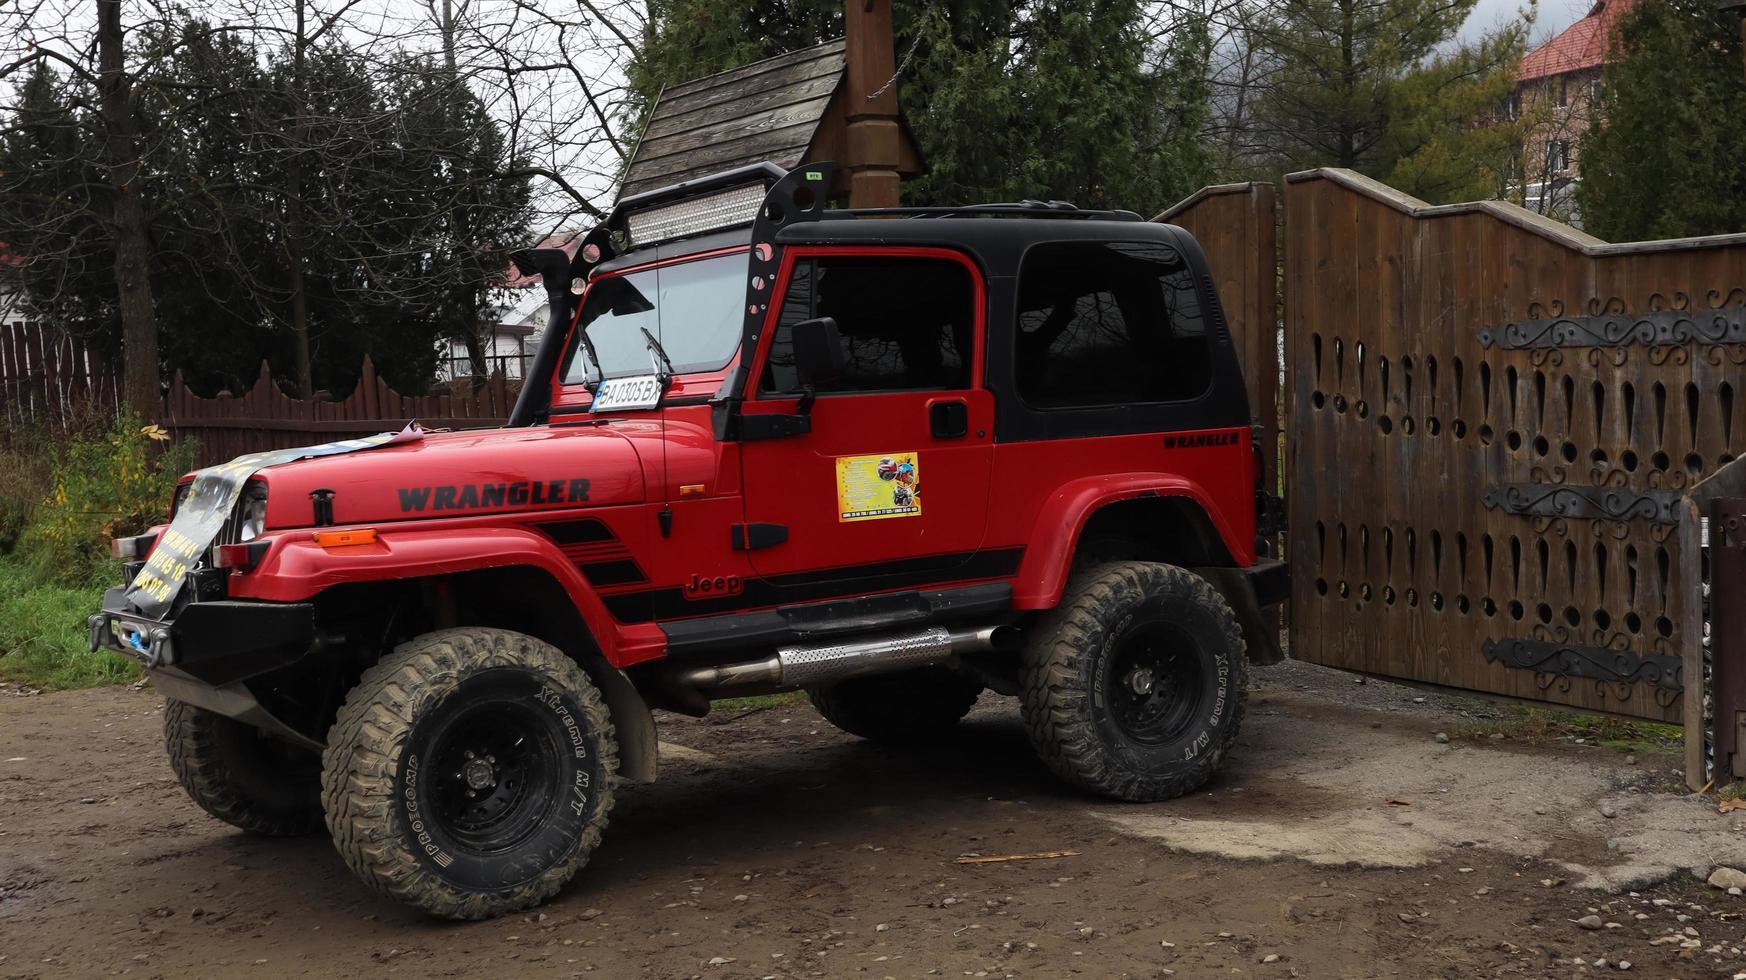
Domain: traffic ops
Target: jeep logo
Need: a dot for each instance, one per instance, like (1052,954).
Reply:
(710,586)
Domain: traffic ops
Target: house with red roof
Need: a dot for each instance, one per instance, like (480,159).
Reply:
(1558,84)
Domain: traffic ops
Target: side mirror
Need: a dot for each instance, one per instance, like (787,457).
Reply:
(818,350)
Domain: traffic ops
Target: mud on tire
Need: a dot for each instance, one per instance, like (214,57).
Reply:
(241,776)
(901,708)
(470,773)
(1133,686)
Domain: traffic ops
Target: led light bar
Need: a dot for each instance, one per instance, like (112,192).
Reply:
(711,212)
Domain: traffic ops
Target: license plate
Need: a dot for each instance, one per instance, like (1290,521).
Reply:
(619,394)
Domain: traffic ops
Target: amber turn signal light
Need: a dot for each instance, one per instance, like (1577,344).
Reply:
(341,539)
(691,490)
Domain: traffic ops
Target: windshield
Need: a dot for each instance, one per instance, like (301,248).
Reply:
(693,308)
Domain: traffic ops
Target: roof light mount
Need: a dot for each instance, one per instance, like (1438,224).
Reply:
(802,195)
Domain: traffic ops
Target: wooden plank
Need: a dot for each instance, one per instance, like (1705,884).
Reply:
(750,74)
(797,120)
(775,145)
(673,116)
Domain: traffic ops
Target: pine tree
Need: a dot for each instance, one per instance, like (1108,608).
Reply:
(1382,87)
(1053,99)
(1667,158)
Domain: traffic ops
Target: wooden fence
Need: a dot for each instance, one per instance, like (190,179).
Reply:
(266,418)
(47,380)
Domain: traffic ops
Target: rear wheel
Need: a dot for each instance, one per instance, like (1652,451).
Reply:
(470,773)
(1133,686)
(905,707)
(241,776)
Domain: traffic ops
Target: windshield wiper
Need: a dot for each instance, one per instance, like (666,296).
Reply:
(655,348)
(593,358)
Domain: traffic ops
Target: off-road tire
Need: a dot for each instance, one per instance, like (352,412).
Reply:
(901,708)
(1075,718)
(384,776)
(239,775)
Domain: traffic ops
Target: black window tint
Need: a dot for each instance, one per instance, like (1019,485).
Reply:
(906,323)
(1109,323)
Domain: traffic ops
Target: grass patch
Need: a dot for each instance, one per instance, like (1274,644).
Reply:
(42,633)
(757,702)
(1541,725)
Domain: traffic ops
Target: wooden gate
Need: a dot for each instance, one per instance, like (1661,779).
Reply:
(1236,225)
(1494,418)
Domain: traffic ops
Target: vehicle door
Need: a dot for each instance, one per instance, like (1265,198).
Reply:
(890,485)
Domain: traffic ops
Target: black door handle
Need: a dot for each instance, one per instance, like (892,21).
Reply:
(949,419)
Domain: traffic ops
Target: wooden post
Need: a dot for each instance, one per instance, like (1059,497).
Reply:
(873,137)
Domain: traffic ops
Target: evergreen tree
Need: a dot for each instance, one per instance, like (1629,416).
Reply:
(1382,87)
(1667,157)
(1055,99)
(406,204)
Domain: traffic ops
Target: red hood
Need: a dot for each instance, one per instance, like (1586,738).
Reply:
(448,474)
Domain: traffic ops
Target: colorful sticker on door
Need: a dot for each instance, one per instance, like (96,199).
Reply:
(871,488)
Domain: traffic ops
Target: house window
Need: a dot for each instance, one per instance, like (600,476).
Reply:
(906,323)
(1558,156)
(1559,97)
(1109,323)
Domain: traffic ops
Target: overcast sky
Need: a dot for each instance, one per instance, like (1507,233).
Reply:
(1555,16)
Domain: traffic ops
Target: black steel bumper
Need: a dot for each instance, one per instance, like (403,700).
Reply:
(215,643)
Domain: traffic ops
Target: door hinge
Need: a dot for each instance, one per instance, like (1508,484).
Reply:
(751,537)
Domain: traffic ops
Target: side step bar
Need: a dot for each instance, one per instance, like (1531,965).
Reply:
(806,666)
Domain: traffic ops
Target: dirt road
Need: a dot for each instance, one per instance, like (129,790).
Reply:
(776,847)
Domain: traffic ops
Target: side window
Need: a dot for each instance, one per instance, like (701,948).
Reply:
(906,323)
(1109,323)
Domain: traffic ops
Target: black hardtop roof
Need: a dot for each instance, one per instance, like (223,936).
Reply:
(997,244)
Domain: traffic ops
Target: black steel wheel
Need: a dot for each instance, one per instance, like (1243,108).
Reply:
(1133,685)
(470,773)
(1155,683)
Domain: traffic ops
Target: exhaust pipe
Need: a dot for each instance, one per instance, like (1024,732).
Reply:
(806,666)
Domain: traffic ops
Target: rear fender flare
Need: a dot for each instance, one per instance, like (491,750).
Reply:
(1042,576)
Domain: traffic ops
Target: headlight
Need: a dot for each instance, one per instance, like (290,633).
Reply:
(252,521)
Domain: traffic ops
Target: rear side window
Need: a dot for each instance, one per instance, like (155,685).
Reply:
(906,323)
(1109,323)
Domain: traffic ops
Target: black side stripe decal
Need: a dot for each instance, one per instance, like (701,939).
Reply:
(647,605)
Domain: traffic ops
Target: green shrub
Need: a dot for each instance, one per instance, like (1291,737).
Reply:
(43,636)
(114,481)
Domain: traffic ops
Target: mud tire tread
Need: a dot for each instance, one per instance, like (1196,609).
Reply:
(359,774)
(194,739)
(1055,701)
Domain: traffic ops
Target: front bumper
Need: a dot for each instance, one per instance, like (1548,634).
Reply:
(216,643)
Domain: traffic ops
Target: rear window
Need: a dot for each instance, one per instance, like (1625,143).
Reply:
(1109,323)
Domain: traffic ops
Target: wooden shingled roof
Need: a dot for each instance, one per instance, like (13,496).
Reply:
(767,110)
(783,110)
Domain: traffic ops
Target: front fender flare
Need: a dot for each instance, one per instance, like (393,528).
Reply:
(296,568)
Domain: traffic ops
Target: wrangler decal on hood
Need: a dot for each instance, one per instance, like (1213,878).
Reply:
(471,496)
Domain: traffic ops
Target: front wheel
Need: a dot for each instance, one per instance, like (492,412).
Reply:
(1133,686)
(470,773)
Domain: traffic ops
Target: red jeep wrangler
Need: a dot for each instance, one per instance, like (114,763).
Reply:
(894,458)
